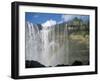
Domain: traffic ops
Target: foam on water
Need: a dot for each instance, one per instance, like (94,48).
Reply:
(46,45)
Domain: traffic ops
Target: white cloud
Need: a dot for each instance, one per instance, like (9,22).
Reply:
(67,17)
(49,23)
(60,22)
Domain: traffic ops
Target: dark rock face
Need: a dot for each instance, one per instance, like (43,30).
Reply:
(77,63)
(33,64)
(88,63)
(39,26)
(61,65)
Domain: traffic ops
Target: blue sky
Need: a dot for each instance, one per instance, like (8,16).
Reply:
(39,18)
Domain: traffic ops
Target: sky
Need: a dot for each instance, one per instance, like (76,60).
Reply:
(47,19)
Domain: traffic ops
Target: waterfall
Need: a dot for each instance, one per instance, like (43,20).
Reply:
(47,45)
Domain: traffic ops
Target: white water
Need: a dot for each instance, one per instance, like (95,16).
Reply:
(45,45)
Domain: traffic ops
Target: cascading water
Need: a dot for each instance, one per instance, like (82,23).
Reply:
(48,45)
